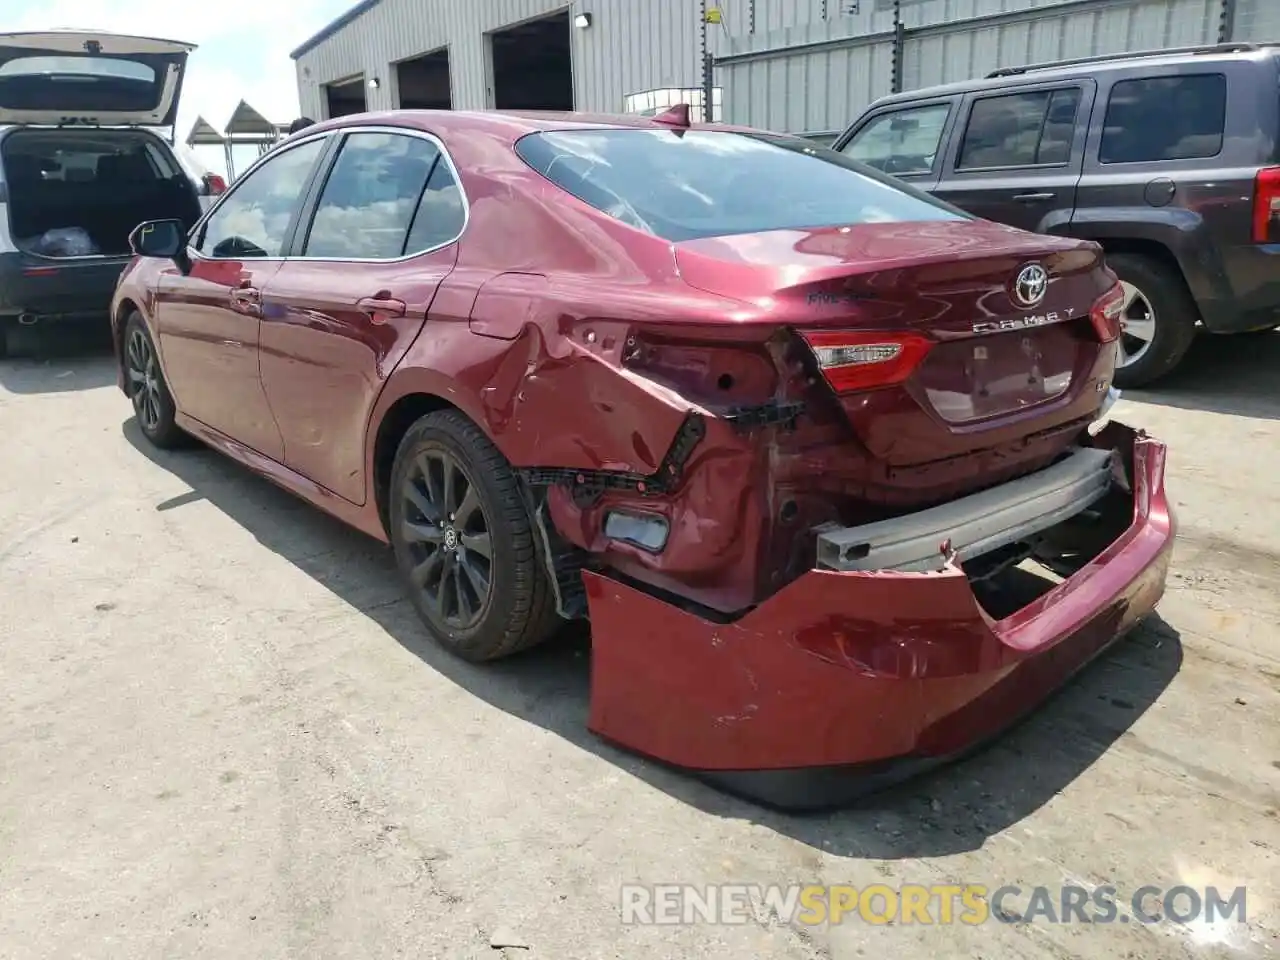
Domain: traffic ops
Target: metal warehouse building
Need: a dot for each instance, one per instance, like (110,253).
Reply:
(803,66)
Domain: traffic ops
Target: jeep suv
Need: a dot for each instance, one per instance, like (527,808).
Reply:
(84,158)
(1169,159)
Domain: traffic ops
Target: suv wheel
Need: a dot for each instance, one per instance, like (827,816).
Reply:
(1158,323)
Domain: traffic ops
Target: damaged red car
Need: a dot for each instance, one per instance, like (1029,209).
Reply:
(820,457)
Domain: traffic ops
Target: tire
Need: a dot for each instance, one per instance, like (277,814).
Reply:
(147,389)
(441,530)
(1152,285)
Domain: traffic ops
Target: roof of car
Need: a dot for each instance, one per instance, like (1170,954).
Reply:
(513,124)
(1091,66)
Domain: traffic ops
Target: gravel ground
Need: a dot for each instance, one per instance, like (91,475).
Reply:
(224,736)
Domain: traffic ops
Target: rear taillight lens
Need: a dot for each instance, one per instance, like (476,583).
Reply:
(853,361)
(214,185)
(1266,206)
(1107,312)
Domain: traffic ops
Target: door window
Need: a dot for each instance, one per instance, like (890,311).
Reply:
(903,142)
(1165,118)
(389,195)
(1020,130)
(253,221)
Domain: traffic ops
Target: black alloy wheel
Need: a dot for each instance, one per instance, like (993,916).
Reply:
(145,384)
(447,533)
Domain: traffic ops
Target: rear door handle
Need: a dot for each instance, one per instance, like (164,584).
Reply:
(247,300)
(382,306)
(1031,197)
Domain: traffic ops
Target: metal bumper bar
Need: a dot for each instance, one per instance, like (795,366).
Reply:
(977,524)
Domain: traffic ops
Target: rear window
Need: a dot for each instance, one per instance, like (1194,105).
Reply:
(82,67)
(685,185)
(1165,118)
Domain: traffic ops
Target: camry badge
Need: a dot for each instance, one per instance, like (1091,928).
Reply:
(1030,285)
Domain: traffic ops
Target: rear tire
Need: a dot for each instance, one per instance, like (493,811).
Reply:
(1160,315)
(147,389)
(464,543)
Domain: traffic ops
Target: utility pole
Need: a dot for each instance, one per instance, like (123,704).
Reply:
(708,78)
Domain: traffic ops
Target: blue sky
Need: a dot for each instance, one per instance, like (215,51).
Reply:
(243,45)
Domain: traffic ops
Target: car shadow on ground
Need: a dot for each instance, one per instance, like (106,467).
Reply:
(951,810)
(58,360)
(1223,374)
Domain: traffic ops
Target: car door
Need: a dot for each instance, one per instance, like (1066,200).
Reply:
(380,235)
(208,318)
(1018,156)
(904,140)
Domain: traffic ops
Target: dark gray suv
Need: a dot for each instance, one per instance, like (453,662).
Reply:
(1169,159)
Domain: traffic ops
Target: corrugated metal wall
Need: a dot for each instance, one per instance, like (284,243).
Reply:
(816,75)
(632,46)
(796,65)
(1257,21)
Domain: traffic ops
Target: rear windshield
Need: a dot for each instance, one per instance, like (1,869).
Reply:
(688,184)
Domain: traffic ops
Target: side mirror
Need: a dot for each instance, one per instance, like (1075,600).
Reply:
(159,238)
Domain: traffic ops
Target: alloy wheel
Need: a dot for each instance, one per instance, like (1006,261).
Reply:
(144,380)
(447,535)
(1137,326)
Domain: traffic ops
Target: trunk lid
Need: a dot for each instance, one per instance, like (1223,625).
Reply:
(1002,316)
(69,77)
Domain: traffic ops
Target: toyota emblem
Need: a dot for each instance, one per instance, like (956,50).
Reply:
(1031,285)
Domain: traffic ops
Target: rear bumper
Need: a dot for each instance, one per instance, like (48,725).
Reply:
(846,680)
(46,289)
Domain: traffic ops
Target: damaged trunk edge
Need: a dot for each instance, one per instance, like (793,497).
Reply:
(766,479)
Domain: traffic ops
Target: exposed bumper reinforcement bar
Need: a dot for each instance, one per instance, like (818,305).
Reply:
(974,525)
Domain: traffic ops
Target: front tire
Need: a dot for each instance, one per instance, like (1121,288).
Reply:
(1159,320)
(147,389)
(464,543)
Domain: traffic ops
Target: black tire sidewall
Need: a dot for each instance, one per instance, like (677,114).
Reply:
(482,641)
(1175,312)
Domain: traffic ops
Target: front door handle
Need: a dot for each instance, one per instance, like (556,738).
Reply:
(1032,197)
(247,300)
(381,306)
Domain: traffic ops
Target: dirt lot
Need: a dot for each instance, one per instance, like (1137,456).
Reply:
(223,735)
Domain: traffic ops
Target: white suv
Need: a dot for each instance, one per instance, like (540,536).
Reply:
(86,123)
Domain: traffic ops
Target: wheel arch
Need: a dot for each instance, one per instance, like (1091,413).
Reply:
(1152,250)
(404,401)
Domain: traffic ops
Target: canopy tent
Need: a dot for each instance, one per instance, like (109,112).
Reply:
(247,127)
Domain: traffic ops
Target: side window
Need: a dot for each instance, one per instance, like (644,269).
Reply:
(1020,130)
(1165,118)
(253,220)
(374,197)
(441,213)
(901,143)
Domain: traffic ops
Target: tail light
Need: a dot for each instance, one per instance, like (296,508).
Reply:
(1107,312)
(853,361)
(1266,206)
(214,185)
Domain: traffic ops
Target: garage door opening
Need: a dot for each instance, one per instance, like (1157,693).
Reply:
(345,98)
(424,82)
(532,67)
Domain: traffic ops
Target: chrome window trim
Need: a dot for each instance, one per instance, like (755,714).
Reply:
(342,131)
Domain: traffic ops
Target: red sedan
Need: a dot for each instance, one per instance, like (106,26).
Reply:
(818,455)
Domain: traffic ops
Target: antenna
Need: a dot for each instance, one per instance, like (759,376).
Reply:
(677,116)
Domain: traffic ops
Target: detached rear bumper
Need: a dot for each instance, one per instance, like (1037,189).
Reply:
(846,680)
